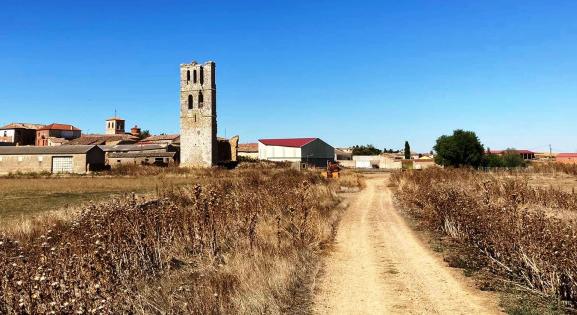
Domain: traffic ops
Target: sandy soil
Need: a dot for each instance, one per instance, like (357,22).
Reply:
(379,266)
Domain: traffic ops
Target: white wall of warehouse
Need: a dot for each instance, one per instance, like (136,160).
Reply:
(278,153)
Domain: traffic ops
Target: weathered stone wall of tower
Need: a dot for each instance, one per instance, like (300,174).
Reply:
(198,146)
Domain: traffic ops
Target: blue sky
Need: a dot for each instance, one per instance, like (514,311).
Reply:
(378,72)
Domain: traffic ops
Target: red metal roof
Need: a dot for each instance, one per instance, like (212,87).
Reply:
(290,142)
(567,155)
(59,127)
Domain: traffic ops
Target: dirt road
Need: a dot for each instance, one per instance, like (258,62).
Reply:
(379,266)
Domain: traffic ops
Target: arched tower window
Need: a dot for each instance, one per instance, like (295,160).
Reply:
(200,100)
(189,101)
(194,76)
(187,76)
(201,75)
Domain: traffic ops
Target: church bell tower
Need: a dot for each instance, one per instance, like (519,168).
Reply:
(198,115)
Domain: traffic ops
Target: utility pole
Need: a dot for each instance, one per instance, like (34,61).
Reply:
(550,153)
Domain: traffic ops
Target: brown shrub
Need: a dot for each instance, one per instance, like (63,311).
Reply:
(239,242)
(510,222)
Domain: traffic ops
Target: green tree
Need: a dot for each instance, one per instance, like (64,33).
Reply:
(144,134)
(511,158)
(493,160)
(463,148)
(407,151)
(365,150)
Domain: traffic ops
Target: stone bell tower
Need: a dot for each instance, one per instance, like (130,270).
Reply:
(197,115)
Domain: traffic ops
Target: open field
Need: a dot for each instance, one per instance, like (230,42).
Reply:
(244,241)
(23,197)
(520,227)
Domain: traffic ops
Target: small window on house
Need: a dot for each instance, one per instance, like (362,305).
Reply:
(194,76)
(189,101)
(200,100)
(0,159)
(187,76)
(40,158)
(19,159)
(117,161)
(201,75)
(5,133)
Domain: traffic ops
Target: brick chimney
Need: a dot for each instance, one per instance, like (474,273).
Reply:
(135,131)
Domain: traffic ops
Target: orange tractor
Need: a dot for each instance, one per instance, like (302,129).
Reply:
(332,171)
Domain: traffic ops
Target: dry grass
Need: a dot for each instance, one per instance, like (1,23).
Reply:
(569,169)
(525,233)
(234,242)
(22,197)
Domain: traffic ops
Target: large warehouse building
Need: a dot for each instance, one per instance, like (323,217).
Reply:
(78,159)
(310,151)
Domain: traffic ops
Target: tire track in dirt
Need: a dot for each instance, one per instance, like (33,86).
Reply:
(379,266)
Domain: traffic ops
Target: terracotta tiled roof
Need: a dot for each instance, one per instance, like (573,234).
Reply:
(57,140)
(61,149)
(101,139)
(248,147)
(22,126)
(145,154)
(133,147)
(161,138)
(290,142)
(59,127)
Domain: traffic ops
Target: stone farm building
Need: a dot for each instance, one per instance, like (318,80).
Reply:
(19,133)
(78,159)
(308,151)
(139,154)
(58,131)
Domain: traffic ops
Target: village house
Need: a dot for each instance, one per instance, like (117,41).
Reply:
(19,133)
(67,132)
(79,159)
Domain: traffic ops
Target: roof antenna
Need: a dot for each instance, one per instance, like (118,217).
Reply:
(115,113)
